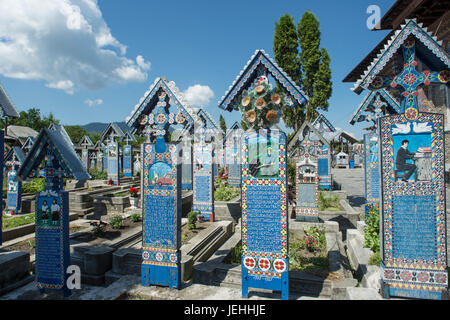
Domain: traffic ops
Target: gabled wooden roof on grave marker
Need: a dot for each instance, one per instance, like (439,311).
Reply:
(210,123)
(61,128)
(7,108)
(28,143)
(249,73)
(99,145)
(148,102)
(85,141)
(130,137)
(112,127)
(370,98)
(428,48)
(68,160)
(320,118)
(234,126)
(16,151)
(294,139)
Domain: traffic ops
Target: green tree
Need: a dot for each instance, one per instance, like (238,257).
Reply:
(310,69)
(32,119)
(76,133)
(223,124)
(316,76)
(243,125)
(95,136)
(285,47)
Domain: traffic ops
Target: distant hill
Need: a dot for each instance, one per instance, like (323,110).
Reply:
(99,127)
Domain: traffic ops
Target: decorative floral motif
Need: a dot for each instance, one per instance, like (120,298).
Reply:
(264,264)
(411,113)
(249,263)
(279,265)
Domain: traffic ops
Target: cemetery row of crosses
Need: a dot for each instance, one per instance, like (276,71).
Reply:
(192,203)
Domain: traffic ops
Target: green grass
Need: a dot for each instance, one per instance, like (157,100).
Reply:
(12,222)
(328,203)
(115,195)
(224,192)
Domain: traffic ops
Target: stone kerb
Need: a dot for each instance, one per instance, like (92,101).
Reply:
(228,210)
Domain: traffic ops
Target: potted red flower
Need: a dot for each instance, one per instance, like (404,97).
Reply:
(134,197)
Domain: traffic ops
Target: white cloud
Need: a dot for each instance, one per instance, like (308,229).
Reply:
(198,95)
(65,85)
(65,43)
(93,102)
(141,63)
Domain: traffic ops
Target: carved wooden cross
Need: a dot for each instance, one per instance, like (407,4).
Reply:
(409,79)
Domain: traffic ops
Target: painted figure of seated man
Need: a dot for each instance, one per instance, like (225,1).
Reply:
(267,168)
(400,162)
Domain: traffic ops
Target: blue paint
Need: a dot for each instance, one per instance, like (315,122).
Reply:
(127,161)
(161,230)
(307,195)
(159,209)
(414,227)
(113,162)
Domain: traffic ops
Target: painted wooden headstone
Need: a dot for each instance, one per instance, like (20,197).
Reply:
(412,202)
(113,162)
(203,183)
(319,148)
(85,157)
(233,141)
(264,260)
(161,239)
(371,170)
(13,160)
(161,183)
(375,104)
(105,158)
(186,162)
(99,166)
(127,161)
(93,162)
(264,212)
(137,163)
(307,184)
(52,205)
(324,168)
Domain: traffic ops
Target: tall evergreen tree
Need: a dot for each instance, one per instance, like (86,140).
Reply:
(285,48)
(223,124)
(310,69)
(315,65)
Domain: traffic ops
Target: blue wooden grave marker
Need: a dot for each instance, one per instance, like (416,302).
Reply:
(371,171)
(161,238)
(203,183)
(127,161)
(412,203)
(264,260)
(375,104)
(233,141)
(52,205)
(113,162)
(307,183)
(13,160)
(160,184)
(320,149)
(186,163)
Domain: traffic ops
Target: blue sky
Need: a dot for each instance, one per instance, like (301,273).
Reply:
(204,43)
